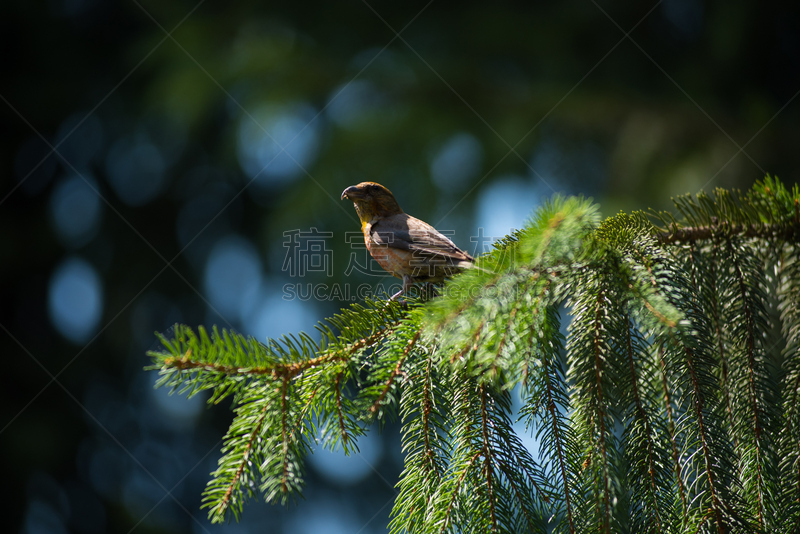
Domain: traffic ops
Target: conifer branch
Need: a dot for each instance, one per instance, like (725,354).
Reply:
(502,343)
(487,455)
(661,408)
(470,346)
(560,453)
(224,503)
(509,473)
(752,389)
(426,415)
(426,422)
(716,503)
(788,232)
(509,448)
(641,414)
(339,412)
(279,371)
(395,373)
(309,403)
(456,489)
(671,429)
(284,437)
(598,370)
(716,321)
(276,370)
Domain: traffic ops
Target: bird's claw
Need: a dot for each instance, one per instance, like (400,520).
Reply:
(394,298)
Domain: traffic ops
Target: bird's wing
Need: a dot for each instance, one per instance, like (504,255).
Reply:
(404,232)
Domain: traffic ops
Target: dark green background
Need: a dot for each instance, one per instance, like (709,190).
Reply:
(474,112)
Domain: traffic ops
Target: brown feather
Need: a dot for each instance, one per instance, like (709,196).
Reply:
(405,246)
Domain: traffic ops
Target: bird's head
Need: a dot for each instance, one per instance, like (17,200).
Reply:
(371,200)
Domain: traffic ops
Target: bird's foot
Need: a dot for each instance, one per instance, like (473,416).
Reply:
(394,298)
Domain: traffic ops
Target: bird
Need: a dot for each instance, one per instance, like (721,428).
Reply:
(403,245)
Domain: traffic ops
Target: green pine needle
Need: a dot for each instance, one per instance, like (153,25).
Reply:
(657,358)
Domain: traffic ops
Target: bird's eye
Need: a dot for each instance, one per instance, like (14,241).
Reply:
(374,187)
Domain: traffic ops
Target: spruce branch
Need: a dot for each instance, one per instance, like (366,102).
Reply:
(395,373)
(708,457)
(676,463)
(653,487)
(486,452)
(671,404)
(558,440)
(788,232)
(752,389)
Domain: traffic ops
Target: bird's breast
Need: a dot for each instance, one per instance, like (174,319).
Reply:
(393,260)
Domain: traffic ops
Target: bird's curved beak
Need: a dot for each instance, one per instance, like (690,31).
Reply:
(351,192)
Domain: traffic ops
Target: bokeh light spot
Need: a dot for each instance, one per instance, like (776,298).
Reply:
(135,171)
(505,204)
(180,409)
(340,468)
(75,299)
(271,316)
(276,143)
(352,103)
(75,210)
(457,161)
(232,277)
(325,515)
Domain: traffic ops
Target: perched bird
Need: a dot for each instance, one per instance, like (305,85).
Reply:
(405,246)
